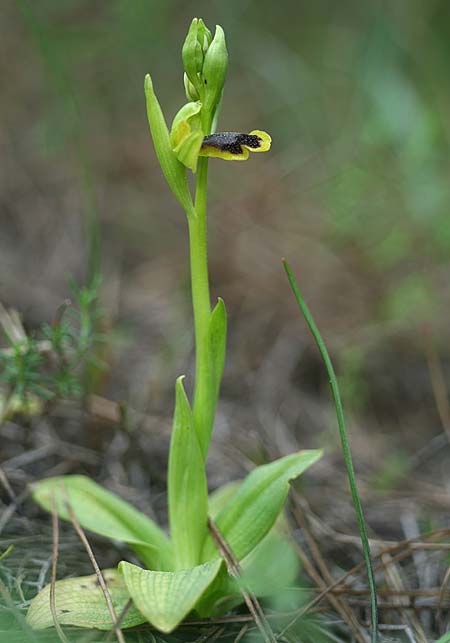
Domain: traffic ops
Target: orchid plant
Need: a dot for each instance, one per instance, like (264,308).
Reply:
(185,573)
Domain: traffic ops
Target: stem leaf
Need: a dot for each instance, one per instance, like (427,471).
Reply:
(187,487)
(217,344)
(174,171)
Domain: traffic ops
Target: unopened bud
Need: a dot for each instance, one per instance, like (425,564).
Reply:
(191,92)
(215,70)
(192,54)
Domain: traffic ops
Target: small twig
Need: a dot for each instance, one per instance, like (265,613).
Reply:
(55,530)
(5,482)
(120,618)
(100,577)
(345,611)
(235,571)
(242,632)
(440,533)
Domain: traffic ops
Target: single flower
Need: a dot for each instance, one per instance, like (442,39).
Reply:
(235,146)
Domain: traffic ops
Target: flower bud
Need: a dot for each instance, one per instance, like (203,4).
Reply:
(192,53)
(186,135)
(214,70)
(204,36)
(191,92)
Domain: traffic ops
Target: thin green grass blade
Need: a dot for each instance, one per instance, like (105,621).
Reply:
(345,445)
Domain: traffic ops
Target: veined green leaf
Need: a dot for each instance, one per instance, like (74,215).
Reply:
(106,514)
(81,602)
(165,598)
(253,510)
(187,487)
(174,171)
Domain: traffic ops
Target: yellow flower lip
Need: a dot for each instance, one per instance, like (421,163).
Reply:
(235,146)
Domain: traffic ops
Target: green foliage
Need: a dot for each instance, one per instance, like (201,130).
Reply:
(187,486)
(51,364)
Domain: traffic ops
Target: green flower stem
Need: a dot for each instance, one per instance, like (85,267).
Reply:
(202,308)
(345,445)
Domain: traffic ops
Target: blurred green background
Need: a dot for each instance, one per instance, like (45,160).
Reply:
(355,193)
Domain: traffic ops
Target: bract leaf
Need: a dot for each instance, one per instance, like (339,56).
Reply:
(81,602)
(106,514)
(253,510)
(187,487)
(165,598)
(173,170)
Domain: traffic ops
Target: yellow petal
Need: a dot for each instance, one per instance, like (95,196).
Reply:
(235,146)
(265,141)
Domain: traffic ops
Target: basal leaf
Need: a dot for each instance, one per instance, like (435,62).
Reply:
(165,598)
(81,602)
(253,510)
(106,514)
(187,487)
(272,566)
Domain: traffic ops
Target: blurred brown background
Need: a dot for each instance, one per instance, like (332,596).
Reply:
(355,193)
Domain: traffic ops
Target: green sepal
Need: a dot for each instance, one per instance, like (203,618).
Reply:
(204,36)
(165,598)
(215,70)
(80,601)
(253,510)
(186,134)
(172,168)
(187,487)
(104,513)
